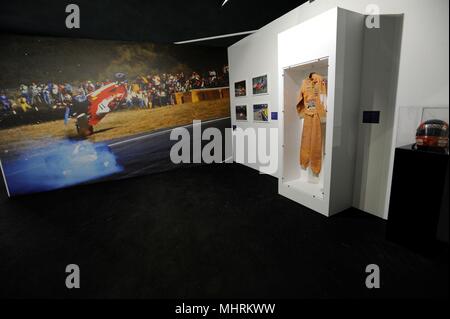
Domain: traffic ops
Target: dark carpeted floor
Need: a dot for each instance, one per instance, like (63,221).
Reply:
(217,231)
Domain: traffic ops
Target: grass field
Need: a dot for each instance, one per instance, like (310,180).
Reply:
(115,125)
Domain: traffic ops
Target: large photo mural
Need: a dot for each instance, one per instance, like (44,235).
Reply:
(79,111)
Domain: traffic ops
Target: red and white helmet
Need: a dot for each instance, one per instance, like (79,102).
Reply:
(432,134)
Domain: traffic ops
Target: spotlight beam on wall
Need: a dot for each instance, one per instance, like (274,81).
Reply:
(216,37)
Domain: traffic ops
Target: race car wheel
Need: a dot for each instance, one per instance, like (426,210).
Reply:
(83,127)
(85,131)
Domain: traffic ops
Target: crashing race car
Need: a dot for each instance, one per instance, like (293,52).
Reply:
(99,103)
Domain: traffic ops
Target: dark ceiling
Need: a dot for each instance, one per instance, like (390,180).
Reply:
(161,21)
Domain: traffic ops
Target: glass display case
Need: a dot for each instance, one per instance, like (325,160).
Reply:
(305,113)
(435,113)
(319,63)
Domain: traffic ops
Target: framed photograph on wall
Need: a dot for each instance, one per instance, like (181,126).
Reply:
(240,88)
(261,112)
(259,85)
(241,112)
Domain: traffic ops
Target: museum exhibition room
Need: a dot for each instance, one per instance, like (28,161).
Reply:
(224,158)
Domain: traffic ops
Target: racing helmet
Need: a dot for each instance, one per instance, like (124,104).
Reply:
(432,134)
(119,76)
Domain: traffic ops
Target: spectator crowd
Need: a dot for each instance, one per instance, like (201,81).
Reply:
(144,91)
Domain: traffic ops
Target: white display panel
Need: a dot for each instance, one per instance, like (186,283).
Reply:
(299,46)
(331,45)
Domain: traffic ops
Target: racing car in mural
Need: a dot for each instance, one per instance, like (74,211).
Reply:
(91,109)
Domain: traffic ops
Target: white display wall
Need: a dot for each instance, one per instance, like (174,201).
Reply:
(425,22)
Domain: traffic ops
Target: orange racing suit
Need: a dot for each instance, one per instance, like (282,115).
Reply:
(312,109)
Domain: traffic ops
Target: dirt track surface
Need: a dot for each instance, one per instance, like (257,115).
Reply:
(115,125)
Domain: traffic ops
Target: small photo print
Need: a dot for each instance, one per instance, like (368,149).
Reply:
(261,112)
(241,112)
(240,89)
(259,85)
